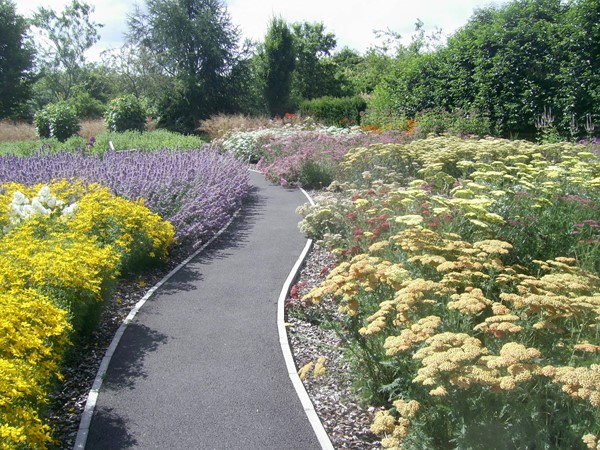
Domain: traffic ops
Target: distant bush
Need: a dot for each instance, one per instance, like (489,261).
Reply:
(337,111)
(87,106)
(125,113)
(57,120)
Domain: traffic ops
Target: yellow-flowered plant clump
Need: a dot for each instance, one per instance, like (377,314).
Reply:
(468,283)
(33,332)
(61,246)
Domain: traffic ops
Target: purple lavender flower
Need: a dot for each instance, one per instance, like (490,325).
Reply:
(196,190)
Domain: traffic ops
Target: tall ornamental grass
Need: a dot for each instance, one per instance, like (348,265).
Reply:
(197,191)
(468,290)
(61,247)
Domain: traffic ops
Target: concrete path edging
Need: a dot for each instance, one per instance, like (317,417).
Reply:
(309,408)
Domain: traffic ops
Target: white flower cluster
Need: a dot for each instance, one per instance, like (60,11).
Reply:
(44,204)
(248,145)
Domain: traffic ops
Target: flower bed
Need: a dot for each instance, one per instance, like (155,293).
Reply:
(197,191)
(62,245)
(468,289)
(301,155)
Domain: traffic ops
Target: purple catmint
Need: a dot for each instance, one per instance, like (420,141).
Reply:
(196,190)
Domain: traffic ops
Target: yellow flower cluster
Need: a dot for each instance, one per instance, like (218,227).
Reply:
(440,290)
(395,427)
(591,441)
(318,369)
(54,267)
(33,332)
(578,382)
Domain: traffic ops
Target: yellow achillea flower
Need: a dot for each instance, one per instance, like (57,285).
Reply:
(439,391)
(499,325)
(587,347)
(578,382)
(470,302)
(407,409)
(320,370)
(417,333)
(305,370)
(378,246)
(383,423)
(493,247)
(409,220)
(591,441)
(391,443)
(447,354)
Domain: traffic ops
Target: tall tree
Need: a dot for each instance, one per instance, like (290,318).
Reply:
(16,60)
(278,58)
(195,42)
(65,38)
(315,72)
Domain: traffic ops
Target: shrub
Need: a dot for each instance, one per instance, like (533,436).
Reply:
(86,106)
(42,123)
(458,122)
(57,120)
(61,247)
(335,111)
(125,113)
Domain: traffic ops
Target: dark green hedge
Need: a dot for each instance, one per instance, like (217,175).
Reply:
(342,111)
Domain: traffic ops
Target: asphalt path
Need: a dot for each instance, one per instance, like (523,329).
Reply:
(200,366)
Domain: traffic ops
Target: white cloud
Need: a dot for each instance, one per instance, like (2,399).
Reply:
(352,21)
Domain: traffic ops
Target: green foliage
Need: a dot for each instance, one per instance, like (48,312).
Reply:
(316,174)
(457,122)
(196,43)
(359,74)
(85,105)
(511,62)
(345,111)
(66,37)
(148,140)
(57,120)
(16,61)
(125,113)
(314,75)
(278,61)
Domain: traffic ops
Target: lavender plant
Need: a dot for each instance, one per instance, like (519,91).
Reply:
(197,191)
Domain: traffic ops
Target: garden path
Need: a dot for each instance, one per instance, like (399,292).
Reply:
(200,366)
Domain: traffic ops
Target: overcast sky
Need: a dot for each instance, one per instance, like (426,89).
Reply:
(352,21)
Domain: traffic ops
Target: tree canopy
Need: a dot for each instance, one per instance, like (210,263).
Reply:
(65,39)
(195,42)
(16,61)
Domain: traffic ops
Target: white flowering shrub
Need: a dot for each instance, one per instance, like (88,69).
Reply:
(44,204)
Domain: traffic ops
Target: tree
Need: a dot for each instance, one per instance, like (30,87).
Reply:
(64,41)
(194,42)
(16,61)
(278,58)
(314,75)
